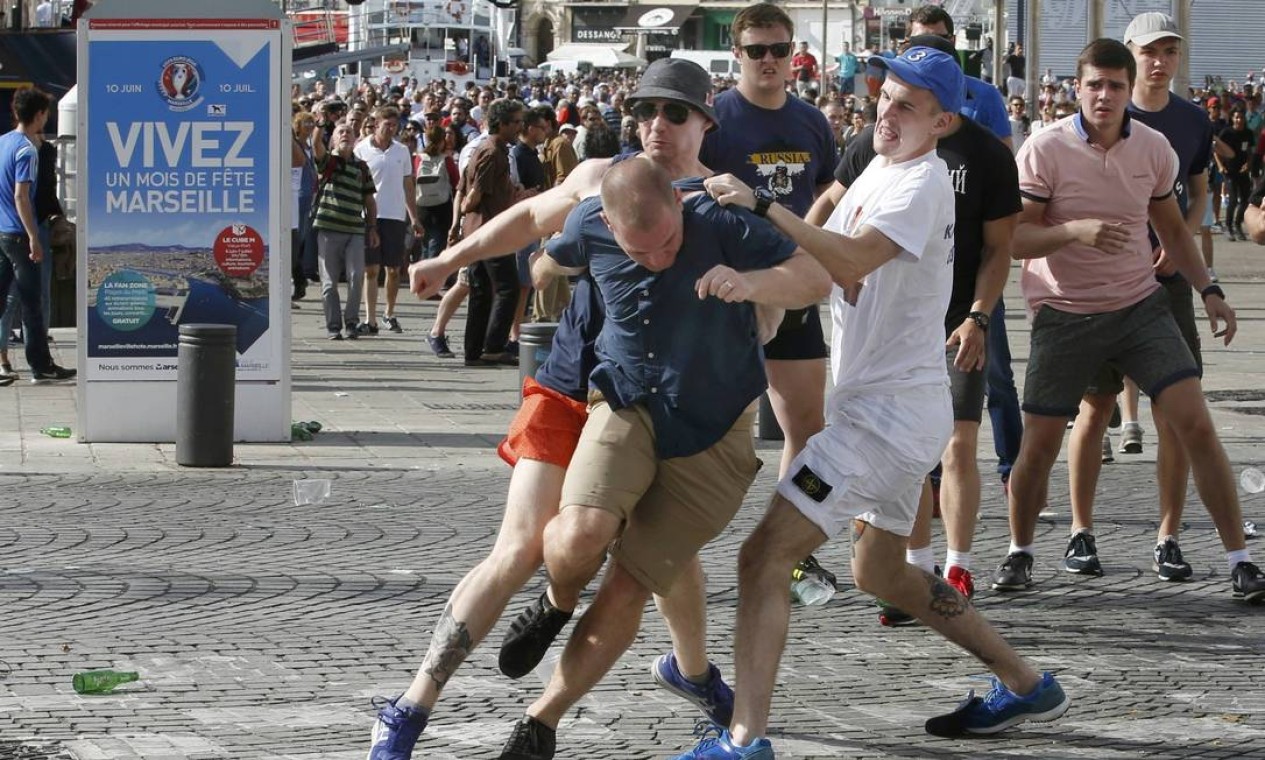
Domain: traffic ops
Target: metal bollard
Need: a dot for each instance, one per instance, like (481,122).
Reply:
(534,343)
(206,378)
(767,428)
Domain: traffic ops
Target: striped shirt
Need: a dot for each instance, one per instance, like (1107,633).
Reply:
(341,206)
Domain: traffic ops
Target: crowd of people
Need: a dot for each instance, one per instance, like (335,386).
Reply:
(681,230)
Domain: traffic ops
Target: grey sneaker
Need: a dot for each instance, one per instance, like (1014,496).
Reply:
(1131,439)
(1081,557)
(1014,573)
(1169,565)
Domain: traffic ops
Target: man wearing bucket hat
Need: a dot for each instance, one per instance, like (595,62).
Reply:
(889,249)
(673,112)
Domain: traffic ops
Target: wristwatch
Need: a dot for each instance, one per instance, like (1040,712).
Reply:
(1212,290)
(763,199)
(980,319)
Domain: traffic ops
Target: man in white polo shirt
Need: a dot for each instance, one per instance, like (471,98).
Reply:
(392,169)
(1090,185)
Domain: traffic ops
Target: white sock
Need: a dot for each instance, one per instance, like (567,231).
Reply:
(956,559)
(1235,557)
(924,558)
(1132,425)
(1025,549)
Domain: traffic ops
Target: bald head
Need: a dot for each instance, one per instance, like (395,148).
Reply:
(643,211)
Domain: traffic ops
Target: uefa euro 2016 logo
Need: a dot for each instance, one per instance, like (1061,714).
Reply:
(180,83)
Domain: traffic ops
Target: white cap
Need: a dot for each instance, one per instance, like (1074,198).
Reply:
(1146,28)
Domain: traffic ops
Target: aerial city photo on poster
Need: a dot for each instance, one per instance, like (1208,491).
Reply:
(178,200)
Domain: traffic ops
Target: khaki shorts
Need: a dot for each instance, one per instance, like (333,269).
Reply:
(670,508)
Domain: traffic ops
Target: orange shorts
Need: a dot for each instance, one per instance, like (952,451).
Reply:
(546,428)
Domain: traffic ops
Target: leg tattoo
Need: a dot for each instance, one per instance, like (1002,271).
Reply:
(945,600)
(449,647)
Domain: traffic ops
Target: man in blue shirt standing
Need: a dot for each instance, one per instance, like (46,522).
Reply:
(847,71)
(19,232)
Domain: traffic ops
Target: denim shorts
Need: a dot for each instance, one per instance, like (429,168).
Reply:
(1068,350)
(1181,299)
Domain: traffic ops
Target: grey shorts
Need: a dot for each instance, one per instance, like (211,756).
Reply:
(1068,350)
(1181,300)
(967,389)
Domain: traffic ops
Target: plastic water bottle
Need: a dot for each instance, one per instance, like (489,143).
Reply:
(102,681)
(811,590)
(1252,480)
(811,583)
(62,431)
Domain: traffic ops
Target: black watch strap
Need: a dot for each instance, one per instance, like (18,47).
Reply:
(1212,290)
(762,203)
(980,319)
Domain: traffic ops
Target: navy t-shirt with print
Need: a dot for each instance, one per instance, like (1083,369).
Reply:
(1189,132)
(789,150)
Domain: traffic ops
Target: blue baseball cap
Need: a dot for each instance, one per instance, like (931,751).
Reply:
(932,70)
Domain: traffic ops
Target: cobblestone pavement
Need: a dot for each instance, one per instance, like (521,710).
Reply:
(262,629)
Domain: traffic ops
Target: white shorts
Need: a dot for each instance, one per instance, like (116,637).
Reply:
(870,461)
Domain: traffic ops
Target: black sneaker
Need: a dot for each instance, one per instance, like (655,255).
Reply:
(335,336)
(366,328)
(52,373)
(393,324)
(1169,565)
(1081,557)
(439,344)
(529,638)
(1014,573)
(530,740)
(892,616)
(1248,583)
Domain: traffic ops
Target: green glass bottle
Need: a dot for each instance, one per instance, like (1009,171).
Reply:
(299,432)
(56,431)
(102,681)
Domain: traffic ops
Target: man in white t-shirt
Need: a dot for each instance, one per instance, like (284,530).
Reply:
(888,246)
(392,169)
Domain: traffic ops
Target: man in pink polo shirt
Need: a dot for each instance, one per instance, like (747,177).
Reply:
(1089,186)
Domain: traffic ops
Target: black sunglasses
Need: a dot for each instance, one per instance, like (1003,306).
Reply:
(756,52)
(677,113)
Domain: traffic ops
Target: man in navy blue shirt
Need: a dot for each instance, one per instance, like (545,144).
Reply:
(777,142)
(671,107)
(19,230)
(666,456)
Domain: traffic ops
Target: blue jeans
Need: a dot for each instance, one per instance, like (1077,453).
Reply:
(16,268)
(1003,398)
(46,288)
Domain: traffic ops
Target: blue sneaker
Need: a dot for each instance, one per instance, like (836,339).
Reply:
(716,699)
(1000,709)
(722,747)
(396,730)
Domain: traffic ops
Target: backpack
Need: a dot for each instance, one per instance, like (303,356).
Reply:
(434,188)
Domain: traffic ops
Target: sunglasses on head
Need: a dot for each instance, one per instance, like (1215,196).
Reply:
(677,113)
(756,52)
